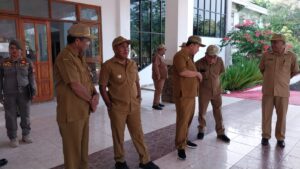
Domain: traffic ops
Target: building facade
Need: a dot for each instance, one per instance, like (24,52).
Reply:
(42,26)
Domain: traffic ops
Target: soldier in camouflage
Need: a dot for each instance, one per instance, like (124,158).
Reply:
(17,86)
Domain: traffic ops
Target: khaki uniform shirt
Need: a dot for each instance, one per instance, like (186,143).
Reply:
(159,68)
(184,86)
(70,67)
(277,71)
(120,80)
(211,76)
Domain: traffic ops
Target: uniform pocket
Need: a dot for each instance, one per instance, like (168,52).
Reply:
(118,77)
(286,65)
(23,70)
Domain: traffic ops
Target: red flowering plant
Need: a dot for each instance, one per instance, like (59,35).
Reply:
(249,40)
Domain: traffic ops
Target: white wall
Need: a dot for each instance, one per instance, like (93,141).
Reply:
(146,76)
(115,21)
(209,41)
(179,25)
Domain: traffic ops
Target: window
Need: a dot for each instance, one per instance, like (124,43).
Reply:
(209,18)
(93,50)
(7,5)
(147,25)
(7,33)
(29,8)
(87,13)
(63,11)
(42,42)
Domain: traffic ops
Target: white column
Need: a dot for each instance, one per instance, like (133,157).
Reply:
(228,57)
(179,25)
(123,24)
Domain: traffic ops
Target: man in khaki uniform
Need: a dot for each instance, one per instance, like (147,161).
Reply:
(159,75)
(277,67)
(76,97)
(123,100)
(211,67)
(185,89)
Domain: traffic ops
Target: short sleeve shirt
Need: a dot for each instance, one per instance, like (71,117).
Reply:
(277,70)
(211,76)
(159,68)
(71,67)
(120,80)
(184,86)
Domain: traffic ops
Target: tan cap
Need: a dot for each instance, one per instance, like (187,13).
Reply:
(161,46)
(80,30)
(195,39)
(119,40)
(16,43)
(278,36)
(212,50)
(183,44)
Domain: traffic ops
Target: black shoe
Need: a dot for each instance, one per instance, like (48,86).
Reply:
(3,162)
(264,141)
(281,143)
(190,144)
(149,165)
(181,154)
(161,105)
(200,135)
(156,107)
(224,138)
(121,165)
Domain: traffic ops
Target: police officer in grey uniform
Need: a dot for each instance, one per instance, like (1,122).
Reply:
(17,86)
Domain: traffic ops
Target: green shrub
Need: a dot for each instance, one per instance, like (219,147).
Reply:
(243,75)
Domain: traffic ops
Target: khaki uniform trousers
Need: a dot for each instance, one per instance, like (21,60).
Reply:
(158,85)
(185,108)
(118,121)
(281,106)
(75,137)
(216,102)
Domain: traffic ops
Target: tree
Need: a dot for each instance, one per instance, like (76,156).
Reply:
(262,3)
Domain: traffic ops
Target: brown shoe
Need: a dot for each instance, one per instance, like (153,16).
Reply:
(14,143)
(27,139)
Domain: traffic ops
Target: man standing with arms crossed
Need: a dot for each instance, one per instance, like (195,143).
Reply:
(278,67)
(185,89)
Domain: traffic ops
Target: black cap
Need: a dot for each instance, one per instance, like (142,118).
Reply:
(16,43)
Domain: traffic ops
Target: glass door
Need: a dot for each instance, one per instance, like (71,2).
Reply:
(36,35)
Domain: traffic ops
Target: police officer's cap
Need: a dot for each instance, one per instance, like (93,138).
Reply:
(80,30)
(278,36)
(212,50)
(161,46)
(119,40)
(16,43)
(183,44)
(195,39)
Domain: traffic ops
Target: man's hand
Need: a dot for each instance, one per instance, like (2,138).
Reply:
(1,100)
(94,102)
(139,97)
(199,76)
(108,106)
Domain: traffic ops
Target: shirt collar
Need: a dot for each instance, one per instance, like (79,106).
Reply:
(285,52)
(115,60)
(73,51)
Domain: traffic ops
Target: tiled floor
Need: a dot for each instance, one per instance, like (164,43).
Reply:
(242,119)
